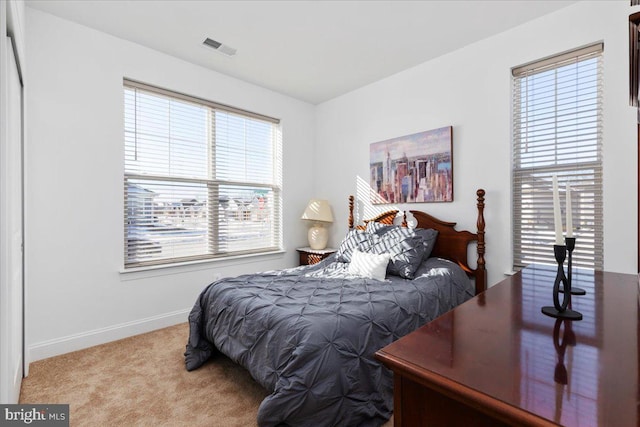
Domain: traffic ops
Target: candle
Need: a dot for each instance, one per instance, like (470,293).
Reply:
(557,219)
(569,213)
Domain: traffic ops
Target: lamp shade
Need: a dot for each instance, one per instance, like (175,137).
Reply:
(318,210)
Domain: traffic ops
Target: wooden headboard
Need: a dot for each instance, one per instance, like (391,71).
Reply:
(451,243)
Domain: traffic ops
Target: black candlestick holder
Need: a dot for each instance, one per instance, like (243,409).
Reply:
(571,245)
(561,311)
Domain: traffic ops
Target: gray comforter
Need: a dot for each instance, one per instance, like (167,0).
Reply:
(308,335)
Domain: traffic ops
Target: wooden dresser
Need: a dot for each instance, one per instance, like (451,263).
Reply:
(496,360)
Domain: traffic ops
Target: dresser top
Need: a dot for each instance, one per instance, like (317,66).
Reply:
(498,349)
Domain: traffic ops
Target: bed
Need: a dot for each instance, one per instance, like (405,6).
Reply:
(308,334)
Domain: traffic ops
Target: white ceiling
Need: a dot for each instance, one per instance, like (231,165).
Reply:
(310,50)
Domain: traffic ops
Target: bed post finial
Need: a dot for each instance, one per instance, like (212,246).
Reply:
(481,273)
(351,198)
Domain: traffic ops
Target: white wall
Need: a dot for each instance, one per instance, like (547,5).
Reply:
(470,89)
(74,249)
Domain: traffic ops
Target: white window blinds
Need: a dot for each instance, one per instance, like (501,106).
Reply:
(557,130)
(202,180)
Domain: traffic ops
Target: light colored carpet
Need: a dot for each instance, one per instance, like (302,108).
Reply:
(142,381)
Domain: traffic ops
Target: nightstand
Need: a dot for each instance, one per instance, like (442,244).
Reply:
(310,256)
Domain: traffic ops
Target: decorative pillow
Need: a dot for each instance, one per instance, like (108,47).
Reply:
(406,252)
(352,240)
(373,266)
(429,237)
(377,228)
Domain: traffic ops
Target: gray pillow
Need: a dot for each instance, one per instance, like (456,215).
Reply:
(352,240)
(428,235)
(377,228)
(406,252)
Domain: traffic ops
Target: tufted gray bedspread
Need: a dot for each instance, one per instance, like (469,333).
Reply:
(308,335)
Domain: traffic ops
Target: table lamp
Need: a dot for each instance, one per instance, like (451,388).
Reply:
(318,212)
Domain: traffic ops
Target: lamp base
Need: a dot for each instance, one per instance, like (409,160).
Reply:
(318,236)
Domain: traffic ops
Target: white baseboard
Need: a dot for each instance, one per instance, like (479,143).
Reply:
(58,346)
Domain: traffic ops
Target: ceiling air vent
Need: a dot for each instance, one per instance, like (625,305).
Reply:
(222,48)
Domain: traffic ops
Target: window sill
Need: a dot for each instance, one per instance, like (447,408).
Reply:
(184,267)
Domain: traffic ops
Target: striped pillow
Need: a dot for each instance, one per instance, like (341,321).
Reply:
(407,252)
(352,240)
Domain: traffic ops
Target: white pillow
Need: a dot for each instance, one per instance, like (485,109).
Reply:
(373,266)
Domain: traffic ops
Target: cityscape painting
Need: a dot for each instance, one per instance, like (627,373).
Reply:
(415,168)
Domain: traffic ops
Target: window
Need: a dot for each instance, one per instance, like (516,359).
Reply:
(557,130)
(201,180)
